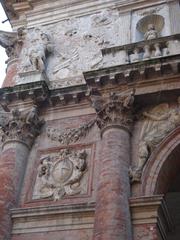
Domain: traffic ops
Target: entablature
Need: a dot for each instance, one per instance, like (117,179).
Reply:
(33,13)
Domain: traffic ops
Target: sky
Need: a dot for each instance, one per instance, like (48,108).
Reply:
(3,57)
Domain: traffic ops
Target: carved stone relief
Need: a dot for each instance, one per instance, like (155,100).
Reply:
(158,123)
(157,16)
(12,42)
(70,47)
(36,53)
(61,174)
(20,125)
(113,109)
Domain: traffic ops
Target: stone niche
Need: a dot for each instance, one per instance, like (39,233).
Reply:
(157,16)
(62,174)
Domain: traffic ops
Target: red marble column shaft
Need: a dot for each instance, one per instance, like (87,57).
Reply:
(112,214)
(9,80)
(12,164)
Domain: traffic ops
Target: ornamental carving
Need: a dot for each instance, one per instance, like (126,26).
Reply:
(60,174)
(12,42)
(38,51)
(158,123)
(20,125)
(114,109)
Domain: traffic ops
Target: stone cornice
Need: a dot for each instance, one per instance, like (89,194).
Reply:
(132,73)
(151,210)
(59,213)
(40,93)
(40,12)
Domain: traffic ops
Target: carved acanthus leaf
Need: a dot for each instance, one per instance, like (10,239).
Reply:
(114,109)
(21,126)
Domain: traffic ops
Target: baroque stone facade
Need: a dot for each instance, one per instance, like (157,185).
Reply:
(90,121)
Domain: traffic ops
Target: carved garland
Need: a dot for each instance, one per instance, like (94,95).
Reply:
(112,110)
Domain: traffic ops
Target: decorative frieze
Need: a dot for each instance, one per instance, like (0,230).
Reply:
(20,126)
(59,174)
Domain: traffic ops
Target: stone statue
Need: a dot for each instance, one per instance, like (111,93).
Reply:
(37,52)
(159,122)
(151,32)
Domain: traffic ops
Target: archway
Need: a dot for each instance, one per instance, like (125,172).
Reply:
(161,176)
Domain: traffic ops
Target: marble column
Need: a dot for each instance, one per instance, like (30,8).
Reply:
(112,214)
(18,132)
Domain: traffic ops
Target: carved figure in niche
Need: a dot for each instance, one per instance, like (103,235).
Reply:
(151,32)
(38,51)
(158,123)
(60,175)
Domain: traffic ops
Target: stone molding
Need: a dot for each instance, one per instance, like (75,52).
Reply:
(77,216)
(151,210)
(75,8)
(19,126)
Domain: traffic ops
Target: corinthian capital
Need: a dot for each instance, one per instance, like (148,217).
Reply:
(20,126)
(113,110)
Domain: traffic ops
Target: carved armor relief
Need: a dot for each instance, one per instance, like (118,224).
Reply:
(66,49)
(62,174)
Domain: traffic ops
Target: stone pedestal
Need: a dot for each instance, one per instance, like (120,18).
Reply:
(112,215)
(31,76)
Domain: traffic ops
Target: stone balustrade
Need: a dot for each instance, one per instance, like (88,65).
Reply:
(143,50)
